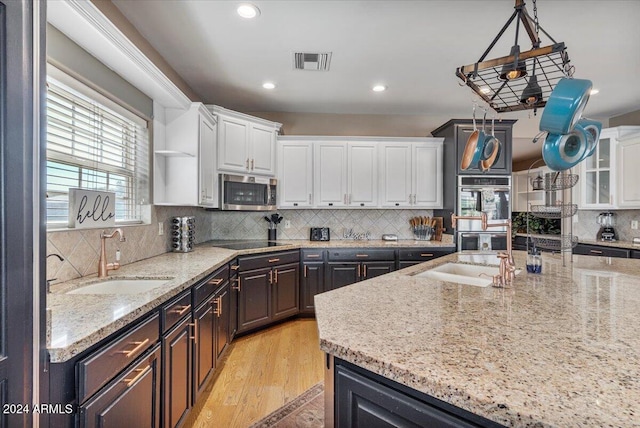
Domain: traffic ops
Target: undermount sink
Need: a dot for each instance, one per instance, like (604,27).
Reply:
(120,286)
(480,276)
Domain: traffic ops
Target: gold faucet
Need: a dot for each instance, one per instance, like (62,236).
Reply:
(103,266)
(507,270)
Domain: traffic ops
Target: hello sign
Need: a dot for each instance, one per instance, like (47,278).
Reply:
(91,209)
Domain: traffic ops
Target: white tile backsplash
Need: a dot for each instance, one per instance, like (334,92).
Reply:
(587,225)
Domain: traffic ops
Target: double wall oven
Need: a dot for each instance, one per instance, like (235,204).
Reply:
(478,194)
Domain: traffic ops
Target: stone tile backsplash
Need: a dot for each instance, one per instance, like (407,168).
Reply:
(587,225)
(81,249)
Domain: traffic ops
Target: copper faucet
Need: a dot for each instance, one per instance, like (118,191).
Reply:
(103,266)
(507,270)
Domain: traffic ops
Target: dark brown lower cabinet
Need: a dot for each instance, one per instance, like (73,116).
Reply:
(222,311)
(373,269)
(177,346)
(364,399)
(339,274)
(285,289)
(268,295)
(132,399)
(601,250)
(312,283)
(204,346)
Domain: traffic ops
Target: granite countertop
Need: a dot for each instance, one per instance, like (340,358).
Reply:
(78,321)
(559,348)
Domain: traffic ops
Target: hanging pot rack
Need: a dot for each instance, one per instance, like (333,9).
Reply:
(548,64)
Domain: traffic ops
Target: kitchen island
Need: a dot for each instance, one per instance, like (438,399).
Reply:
(559,348)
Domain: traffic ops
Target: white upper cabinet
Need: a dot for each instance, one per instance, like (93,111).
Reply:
(606,175)
(246,144)
(330,174)
(184,157)
(363,175)
(295,174)
(359,172)
(411,174)
(627,171)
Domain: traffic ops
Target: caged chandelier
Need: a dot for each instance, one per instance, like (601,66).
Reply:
(521,80)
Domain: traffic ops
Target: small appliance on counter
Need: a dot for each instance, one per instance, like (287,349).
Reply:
(607,231)
(183,234)
(389,237)
(319,234)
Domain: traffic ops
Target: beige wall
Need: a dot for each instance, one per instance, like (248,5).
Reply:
(632,118)
(123,24)
(351,124)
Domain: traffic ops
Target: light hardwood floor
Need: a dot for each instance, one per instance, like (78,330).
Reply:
(261,372)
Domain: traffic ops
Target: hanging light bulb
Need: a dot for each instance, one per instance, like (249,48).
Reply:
(532,94)
(509,72)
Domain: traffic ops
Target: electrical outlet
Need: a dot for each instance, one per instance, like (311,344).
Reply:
(634,224)
(160,228)
(287,224)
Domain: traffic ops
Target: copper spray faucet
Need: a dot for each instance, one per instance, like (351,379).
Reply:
(103,266)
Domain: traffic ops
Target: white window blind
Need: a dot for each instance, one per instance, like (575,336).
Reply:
(91,146)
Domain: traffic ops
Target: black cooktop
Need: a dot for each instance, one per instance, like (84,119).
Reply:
(245,245)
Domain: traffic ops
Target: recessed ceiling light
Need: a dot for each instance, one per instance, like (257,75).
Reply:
(379,88)
(248,11)
(268,85)
(594,91)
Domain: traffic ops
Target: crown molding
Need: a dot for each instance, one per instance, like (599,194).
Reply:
(86,25)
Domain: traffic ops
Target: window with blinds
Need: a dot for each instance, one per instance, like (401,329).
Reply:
(91,146)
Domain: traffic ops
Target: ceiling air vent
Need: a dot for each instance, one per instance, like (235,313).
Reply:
(311,61)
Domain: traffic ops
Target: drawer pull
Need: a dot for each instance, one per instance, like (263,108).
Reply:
(426,255)
(595,251)
(238,287)
(141,372)
(362,255)
(313,256)
(216,281)
(183,310)
(139,346)
(235,267)
(274,260)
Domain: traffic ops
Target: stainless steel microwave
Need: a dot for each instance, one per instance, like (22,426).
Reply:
(247,193)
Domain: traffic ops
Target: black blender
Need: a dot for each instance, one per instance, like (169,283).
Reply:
(607,231)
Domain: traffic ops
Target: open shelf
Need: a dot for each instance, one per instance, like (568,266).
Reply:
(174,154)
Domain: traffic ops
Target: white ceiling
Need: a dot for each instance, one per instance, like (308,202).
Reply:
(413,47)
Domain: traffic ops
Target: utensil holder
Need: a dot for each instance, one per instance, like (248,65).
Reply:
(272,234)
(422,233)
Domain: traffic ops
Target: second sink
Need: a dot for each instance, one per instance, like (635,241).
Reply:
(480,276)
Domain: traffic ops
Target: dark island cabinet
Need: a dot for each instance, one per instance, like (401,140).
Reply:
(132,399)
(348,266)
(412,256)
(339,274)
(364,399)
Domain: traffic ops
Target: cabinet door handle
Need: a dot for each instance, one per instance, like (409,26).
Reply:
(310,199)
(238,287)
(194,326)
(305,271)
(252,164)
(247,167)
(595,251)
(349,199)
(216,281)
(358,271)
(138,347)
(270,277)
(344,198)
(218,309)
(364,268)
(235,267)
(426,255)
(183,310)
(276,279)
(141,372)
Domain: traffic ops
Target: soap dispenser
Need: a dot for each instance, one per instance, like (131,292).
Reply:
(534,260)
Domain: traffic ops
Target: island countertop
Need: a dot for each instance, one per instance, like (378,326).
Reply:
(559,348)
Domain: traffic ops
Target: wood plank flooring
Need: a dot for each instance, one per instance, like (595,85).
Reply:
(261,372)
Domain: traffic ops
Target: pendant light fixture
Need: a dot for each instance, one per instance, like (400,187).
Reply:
(502,82)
